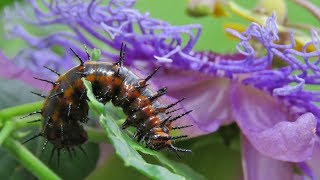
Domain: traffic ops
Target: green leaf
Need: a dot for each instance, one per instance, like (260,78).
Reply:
(176,167)
(130,156)
(213,158)
(77,166)
(126,148)
(114,169)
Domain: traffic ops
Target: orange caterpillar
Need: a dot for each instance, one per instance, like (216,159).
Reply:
(66,108)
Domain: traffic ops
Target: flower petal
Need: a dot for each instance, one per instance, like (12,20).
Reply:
(188,119)
(9,70)
(269,126)
(208,97)
(306,170)
(167,100)
(314,162)
(257,166)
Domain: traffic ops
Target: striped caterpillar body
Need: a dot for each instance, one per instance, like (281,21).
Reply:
(65,109)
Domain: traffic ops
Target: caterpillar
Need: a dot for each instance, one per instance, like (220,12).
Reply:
(65,109)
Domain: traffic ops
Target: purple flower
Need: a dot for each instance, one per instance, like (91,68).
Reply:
(94,24)
(276,114)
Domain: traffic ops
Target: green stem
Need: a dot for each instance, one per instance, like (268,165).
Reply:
(6,131)
(7,113)
(28,160)
(26,123)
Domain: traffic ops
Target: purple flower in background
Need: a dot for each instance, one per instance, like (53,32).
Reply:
(276,114)
(96,25)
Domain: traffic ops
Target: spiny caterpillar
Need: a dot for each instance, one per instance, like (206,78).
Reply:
(65,109)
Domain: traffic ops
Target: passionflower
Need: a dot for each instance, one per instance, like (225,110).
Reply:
(265,8)
(93,24)
(277,115)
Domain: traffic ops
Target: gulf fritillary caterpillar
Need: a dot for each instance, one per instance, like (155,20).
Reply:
(65,109)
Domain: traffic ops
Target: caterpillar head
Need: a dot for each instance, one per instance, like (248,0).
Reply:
(66,135)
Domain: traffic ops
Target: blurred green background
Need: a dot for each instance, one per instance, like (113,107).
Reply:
(213,36)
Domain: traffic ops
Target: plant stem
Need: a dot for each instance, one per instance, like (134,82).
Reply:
(312,8)
(8,113)
(6,130)
(28,160)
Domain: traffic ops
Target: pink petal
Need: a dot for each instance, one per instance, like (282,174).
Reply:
(269,126)
(9,70)
(207,96)
(193,131)
(166,100)
(314,162)
(256,166)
